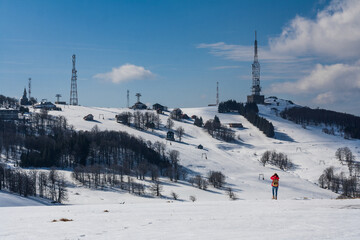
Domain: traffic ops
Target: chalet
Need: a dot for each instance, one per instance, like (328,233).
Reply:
(236,125)
(9,114)
(170,136)
(139,106)
(46,105)
(160,107)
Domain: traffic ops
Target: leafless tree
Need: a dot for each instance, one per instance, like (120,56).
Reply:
(156,188)
(175,195)
(169,123)
(180,132)
(192,198)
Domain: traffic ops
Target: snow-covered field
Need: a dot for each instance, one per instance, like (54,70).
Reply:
(262,219)
(303,211)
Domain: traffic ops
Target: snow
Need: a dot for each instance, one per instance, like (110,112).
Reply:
(303,211)
(11,200)
(262,219)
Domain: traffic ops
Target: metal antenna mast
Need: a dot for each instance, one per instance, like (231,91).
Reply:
(73,92)
(128,98)
(138,95)
(29,88)
(217,93)
(255,72)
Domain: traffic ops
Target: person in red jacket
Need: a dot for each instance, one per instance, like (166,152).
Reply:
(275,185)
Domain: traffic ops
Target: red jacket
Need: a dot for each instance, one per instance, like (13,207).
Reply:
(275,181)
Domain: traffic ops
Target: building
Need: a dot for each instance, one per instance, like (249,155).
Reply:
(89,117)
(170,136)
(255,97)
(139,106)
(9,114)
(159,107)
(46,105)
(236,125)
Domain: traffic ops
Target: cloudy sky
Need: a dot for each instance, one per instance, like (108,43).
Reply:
(174,52)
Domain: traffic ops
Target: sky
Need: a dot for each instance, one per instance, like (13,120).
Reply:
(174,52)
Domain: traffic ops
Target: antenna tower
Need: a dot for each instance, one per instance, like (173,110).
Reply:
(138,95)
(255,72)
(29,88)
(217,93)
(73,92)
(128,99)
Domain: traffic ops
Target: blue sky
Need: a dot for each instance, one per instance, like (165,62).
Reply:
(174,52)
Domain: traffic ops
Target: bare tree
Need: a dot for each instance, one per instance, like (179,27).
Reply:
(156,188)
(169,123)
(175,195)
(61,188)
(157,121)
(180,132)
(231,193)
(216,178)
(174,159)
(192,198)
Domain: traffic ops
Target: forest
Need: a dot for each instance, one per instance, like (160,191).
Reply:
(347,123)
(250,112)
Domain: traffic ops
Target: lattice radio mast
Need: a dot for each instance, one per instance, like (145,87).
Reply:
(255,72)
(73,92)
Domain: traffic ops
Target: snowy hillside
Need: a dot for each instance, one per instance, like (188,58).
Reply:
(310,149)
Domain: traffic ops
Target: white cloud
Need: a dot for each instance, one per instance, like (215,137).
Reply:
(225,67)
(333,33)
(326,84)
(124,73)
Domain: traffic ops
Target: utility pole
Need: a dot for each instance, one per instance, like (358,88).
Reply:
(128,98)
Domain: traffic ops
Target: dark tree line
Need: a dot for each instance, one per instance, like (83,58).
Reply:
(347,123)
(8,101)
(280,160)
(46,141)
(250,112)
(50,185)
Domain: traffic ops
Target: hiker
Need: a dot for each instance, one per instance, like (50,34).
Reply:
(275,185)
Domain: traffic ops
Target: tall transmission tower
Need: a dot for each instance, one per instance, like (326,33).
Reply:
(255,72)
(255,97)
(138,95)
(217,93)
(29,88)
(128,98)
(73,92)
